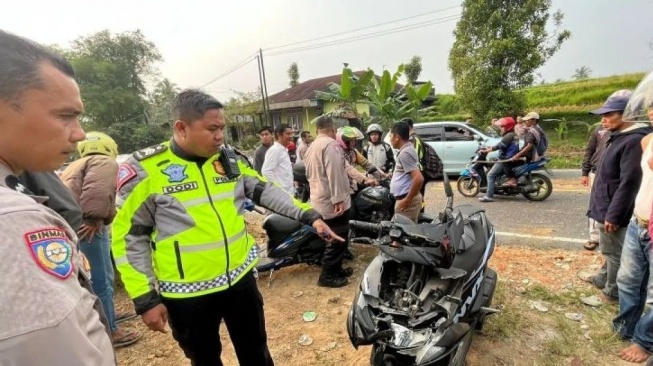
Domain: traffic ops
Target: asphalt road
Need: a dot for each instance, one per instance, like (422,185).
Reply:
(559,221)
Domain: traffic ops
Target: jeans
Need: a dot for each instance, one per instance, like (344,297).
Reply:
(98,253)
(636,288)
(611,245)
(492,176)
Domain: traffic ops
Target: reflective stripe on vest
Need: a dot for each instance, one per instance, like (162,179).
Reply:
(220,281)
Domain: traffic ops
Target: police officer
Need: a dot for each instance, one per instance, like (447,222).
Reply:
(180,241)
(47,314)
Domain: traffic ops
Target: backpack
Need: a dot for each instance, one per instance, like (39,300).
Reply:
(542,141)
(432,167)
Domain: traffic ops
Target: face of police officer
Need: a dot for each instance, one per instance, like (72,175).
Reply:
(41,130)
(201,137)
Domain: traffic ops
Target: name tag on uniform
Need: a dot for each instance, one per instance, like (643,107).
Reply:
(220,180)
(180,187)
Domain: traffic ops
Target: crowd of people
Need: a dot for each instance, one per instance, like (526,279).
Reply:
(170,217)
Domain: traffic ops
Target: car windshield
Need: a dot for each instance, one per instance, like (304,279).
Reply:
(487,130)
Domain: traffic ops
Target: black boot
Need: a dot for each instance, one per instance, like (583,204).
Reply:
(348,255)
(345,272)
(329,278)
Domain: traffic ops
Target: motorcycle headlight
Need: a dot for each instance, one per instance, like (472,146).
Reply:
(406,338)
(428,354)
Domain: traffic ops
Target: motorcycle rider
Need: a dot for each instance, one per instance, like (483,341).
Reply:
(527,152)
(346,138)
(377,151)
(508,147)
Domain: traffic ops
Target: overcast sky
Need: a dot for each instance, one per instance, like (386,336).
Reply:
(200,40)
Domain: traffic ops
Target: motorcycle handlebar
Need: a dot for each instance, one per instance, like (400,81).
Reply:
(362,225)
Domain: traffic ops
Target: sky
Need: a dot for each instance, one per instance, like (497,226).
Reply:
(201,40)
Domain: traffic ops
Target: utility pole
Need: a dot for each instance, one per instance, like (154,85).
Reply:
(265,85)
(260,78)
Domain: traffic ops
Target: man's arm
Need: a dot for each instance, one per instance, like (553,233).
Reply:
(523,151)
(270,165)
(592,143)
(629,181)
(131,236)
(411,165)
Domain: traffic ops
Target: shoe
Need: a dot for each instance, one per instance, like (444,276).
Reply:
(124,338)
(345,272)
(486,199)
(348,255)
(591,245)
(332,281)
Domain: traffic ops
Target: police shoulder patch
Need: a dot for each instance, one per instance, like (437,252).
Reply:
(51,251)
(125,173)
(149,151)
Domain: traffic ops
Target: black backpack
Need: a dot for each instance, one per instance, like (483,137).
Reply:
(432,167)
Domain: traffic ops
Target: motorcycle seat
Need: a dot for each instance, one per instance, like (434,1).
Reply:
(279,227)
(471,248)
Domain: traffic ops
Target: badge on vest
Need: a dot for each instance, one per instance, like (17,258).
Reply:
(51,251)
(180,187)
(125,174)
(149,151)
(176,173)
(217,166)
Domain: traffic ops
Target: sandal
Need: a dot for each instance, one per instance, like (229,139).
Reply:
(123,317)
(126,338)
(590,245)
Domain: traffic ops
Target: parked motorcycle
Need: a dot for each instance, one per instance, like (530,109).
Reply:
(533,185)
(428,289)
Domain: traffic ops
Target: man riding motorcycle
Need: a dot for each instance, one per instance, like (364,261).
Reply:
(377,151)
(346,138)
(508,147)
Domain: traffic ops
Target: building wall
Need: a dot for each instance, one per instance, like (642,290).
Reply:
(361,108)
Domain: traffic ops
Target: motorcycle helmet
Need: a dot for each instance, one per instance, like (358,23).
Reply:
(346,136)
(374,127)
(640,106)
(507,123)
(97,143)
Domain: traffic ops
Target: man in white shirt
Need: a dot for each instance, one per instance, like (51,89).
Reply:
(277,167)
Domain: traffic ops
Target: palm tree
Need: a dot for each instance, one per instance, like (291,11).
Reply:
(582,73)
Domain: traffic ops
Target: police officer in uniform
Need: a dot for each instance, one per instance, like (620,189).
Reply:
(48,315)
(180,241)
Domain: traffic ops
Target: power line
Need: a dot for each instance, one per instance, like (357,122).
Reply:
(368,35)
(242,63)
(360,29)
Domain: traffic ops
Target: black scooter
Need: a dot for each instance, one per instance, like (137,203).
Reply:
(428,289)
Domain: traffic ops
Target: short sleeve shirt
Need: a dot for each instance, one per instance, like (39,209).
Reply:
(407,161)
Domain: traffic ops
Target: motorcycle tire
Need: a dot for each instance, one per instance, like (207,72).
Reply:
(468,186)
(459,357)
(546,187)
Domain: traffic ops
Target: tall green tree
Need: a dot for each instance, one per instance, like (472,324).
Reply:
(582,73)
(413,69)
(348,93)
(498,48)
(112,71)
(160,102)
(293,74)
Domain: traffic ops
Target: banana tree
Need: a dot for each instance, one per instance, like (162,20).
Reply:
(390,105)
(348,93)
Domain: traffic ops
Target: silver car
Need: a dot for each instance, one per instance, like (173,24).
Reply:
(455,142)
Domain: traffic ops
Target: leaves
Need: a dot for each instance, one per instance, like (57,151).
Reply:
(413,69)
(293,74)
(499,46)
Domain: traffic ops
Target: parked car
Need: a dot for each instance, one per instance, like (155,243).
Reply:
(455,142)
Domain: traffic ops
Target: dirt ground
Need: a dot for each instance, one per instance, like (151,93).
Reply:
(519,335)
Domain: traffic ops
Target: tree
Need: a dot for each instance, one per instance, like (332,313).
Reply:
(112,70)
(413,69)
(391,105)
(160,102)
(293,74)
(499,45)
(348,93)
(242,112)
(582,73)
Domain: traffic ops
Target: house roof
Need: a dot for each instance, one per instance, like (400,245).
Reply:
(306,90)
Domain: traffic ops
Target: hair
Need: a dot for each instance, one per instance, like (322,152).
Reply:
(191,104)
(324,122)
(408,120)
(280,130)
(304,134)
(401,129)
(265,128)
(20,66)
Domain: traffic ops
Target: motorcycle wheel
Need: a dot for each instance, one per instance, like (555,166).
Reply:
(545,187)
(459,358)
(468,186)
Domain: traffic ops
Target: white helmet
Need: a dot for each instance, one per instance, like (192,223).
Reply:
(374,127)
(640,105)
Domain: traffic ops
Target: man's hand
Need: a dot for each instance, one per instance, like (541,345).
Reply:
(609,227)
(88,230)
(324,231)
(585,180)
(339,208)
(156,318)
(371,182)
